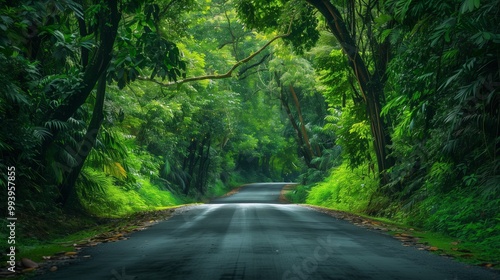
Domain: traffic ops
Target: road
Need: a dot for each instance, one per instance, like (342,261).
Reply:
(250,235)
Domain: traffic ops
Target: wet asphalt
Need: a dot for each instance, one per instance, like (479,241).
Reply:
(250,235)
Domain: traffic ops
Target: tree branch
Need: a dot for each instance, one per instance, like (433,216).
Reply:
(242,71)
(219,76)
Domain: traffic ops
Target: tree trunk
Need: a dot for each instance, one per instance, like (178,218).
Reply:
(371,85)
(304,151)
(204,164)
(108,28)
(67,188)
(302,124)
(189,164)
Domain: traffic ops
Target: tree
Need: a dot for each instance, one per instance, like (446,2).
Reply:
(451,98)
(200,128)
(76,44)
(357,38)
(292,84)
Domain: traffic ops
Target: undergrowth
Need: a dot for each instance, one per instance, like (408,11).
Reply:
(114,201)
(345,189)
(464,213)
(461,213)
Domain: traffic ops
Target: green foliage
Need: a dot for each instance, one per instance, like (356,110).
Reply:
(294,17)
(353,132)
(443,98)
(102,198)
(299,194)
(462,214)
(191,138)
(335,81)
(48,51)
(159,145)
(345,189)
(345,119)
(448,94)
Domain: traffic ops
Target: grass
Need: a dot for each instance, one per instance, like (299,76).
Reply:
(463,251)
(346,189)
(115,202)
(38,249)
(350,191)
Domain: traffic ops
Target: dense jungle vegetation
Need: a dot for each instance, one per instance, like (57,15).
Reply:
(389,108)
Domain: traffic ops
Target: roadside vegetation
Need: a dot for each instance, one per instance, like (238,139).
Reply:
(109,109)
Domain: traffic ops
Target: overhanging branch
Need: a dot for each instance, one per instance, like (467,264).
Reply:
(218,76)
(242,71)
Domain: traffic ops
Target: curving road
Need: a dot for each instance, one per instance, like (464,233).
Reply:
(249,235)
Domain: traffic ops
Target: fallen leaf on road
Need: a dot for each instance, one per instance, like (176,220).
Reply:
(28,263)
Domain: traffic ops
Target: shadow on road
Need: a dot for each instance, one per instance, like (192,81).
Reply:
(254,193)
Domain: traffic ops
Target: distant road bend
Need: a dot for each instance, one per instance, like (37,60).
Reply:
(250,235)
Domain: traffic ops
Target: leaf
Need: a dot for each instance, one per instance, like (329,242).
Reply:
(29,263)
(382,19)
(59,36)
(384,34)
(14,95)
(41,133)
(488,35)
(6,20)
(116,169)
(76,8)
(56,125)
(450,54)
(400,9)
(469,6)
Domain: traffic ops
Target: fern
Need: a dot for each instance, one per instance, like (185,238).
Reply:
(14,95)
(41,133)
(76,123)
(56,125)
(69,156)
(92,183)
(116,170)
(3,145)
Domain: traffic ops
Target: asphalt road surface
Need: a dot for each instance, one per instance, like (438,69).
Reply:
(250,235)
